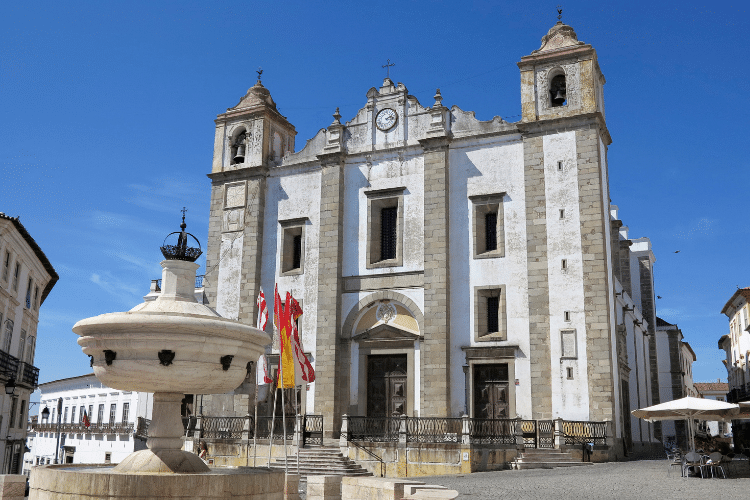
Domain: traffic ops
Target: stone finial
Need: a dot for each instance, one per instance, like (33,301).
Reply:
(336,118)
(438,98)
(559,36)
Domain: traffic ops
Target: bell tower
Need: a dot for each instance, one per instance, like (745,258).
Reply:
(562,78)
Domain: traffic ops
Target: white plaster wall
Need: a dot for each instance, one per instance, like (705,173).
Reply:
(387,171)
(291,195)
(665,378)
(480,167)
(230,270)
(570,398)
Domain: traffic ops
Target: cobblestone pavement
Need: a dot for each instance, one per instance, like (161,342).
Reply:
(641,480)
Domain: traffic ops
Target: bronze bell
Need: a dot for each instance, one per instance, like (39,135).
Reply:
(240,156)
(560,96)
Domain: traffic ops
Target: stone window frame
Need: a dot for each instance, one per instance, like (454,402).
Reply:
(574,333)
(289,229)
(481,206)
(481,293)
(376,201)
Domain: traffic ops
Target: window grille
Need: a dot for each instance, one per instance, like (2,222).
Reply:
(297,257)
(490,231)
(493,306)
(388,233)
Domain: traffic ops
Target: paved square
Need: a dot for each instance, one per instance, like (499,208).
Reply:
(641,480)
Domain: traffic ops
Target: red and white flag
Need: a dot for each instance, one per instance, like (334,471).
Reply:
(262,377)
(262,311)
(303,370)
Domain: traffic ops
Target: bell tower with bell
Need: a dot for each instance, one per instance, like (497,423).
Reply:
(562,78)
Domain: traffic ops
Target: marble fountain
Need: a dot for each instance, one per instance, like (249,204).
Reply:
(170,346)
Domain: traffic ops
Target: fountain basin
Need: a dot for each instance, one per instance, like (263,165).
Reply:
(58,482)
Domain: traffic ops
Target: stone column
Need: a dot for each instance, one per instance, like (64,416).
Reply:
(536,235)
(402,431)
(465,432)
(344,437)
(332,377)
(559,433)
(435,358)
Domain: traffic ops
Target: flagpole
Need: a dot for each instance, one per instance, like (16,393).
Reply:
(300,430)
(273,421)
(255,420)
(283,424)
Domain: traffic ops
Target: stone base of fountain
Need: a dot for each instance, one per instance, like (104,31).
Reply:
(163,461)
(79,482)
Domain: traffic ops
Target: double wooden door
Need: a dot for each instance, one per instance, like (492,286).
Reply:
(386,385)
(491,391)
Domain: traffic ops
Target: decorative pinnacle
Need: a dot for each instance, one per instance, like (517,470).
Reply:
(183,225)
(438,98)
(260,72)
(559,13)
(337,117)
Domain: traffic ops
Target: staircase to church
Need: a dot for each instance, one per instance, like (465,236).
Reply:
(322,461)
(535,458)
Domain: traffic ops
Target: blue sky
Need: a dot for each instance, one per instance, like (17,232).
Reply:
(106,116)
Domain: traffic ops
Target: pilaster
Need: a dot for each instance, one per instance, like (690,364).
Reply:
(435,369)
(331,373)
(536,235)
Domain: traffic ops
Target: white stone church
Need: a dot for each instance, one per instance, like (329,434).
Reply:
(445,265)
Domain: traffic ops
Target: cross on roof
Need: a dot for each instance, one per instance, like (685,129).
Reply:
(388,68)
(184,210)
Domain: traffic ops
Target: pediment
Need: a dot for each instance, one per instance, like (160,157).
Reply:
(386,333)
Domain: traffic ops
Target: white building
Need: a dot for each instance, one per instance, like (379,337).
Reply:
(446,265)
(26,278)
(736,346)
(717,391)
(118,422)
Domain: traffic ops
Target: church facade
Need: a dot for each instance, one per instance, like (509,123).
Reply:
(445,265)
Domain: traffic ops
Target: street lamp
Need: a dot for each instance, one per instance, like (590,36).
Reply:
(59,414)
(10,387)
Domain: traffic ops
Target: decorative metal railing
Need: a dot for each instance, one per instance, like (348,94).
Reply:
(433,430)
(374,429)
(265,423)
(313,430)
(198,282)
(80,428)
(28,374)
(8,365)
(492,431)
(545,434)
(222,427)
(528,432)
(577,432)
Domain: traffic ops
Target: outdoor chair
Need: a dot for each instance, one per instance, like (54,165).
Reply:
(716,461)
(674,457)
(692,460)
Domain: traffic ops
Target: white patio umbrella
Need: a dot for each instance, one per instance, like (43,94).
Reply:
(690,408)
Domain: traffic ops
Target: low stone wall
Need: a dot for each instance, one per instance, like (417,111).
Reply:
(374,488)
(12,486)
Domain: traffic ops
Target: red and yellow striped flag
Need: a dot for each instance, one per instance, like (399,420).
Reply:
(282,320)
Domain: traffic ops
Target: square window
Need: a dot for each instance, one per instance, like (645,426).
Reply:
(489,313)
(292,246)
(488,226)
(385,227)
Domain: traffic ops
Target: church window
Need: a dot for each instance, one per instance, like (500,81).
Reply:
(557,91)
(488,226)
(489,313)
(6,266)
(385,215)
(238,148)
(16,276)
(293,246)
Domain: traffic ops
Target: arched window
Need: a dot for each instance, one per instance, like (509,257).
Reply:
(238,148)
(557,91)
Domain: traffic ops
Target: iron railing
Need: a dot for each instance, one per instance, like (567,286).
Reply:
(578,432)
(265,423)
(374,429)
(28,375)
(222,427)
(433,430)
(80,428)
(313,430)
(492,431)
(8,365)
(545,434)
(198,282)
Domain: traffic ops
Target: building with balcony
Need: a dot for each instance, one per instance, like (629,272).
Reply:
(118,422)
(26,278)
(736,347)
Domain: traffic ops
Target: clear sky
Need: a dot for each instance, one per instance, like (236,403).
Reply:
(107,108)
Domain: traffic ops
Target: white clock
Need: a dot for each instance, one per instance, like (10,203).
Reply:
(386,119)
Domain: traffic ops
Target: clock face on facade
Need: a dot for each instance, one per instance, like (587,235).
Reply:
(386,119)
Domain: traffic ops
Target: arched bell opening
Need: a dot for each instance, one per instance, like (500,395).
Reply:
(239,144)
(558,90)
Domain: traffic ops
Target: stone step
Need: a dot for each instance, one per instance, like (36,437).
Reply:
(547,465)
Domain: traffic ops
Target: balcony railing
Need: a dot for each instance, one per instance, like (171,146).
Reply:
(8,365)
(27,375)
(738,395)
(198,282)
(80,428)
